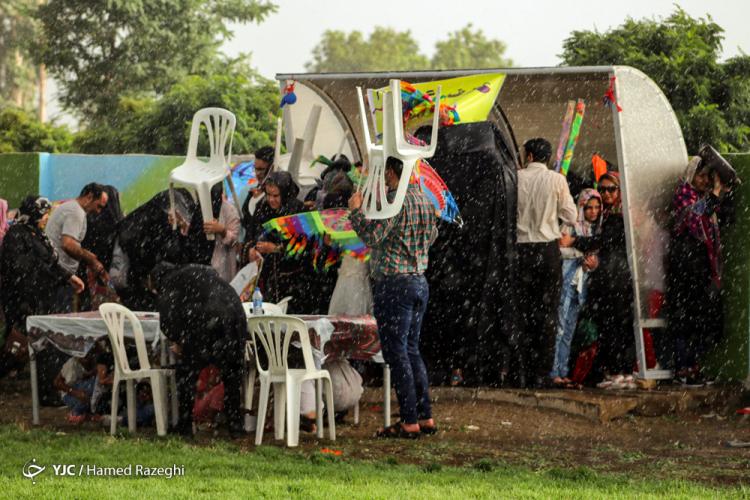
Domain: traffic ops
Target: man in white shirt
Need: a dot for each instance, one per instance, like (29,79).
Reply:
(543,200)
(66,229)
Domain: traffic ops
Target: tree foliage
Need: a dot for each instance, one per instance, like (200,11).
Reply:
(389,49)
(17,72)
(385,49)
(681,54)
(103,51)
(162,125)
(20,131)
(468,48)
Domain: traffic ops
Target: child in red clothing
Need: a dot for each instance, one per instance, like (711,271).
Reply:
(209,399)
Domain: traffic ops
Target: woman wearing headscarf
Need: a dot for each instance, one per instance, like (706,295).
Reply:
(279,277)
(226,229)
(29,268)
(576,270)
(610,299)
(694,309)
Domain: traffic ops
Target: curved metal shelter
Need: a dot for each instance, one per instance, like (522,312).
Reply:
(644,141)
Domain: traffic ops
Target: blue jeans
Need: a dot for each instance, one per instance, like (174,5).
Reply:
(144,414)
(567,316)
(78,407)
(399,304)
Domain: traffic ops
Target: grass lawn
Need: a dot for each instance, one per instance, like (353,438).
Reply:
(223,468)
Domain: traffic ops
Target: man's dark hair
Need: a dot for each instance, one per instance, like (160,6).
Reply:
(394,164)
(539,148)
(92,188)
(266,153)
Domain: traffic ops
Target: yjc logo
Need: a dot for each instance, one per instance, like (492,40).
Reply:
(32,470)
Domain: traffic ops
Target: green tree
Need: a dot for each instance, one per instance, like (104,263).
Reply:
(102,51)
(388,49)
(21,131)
(469,48)
(385,49)
(681,54)
(17,72)
(162,125)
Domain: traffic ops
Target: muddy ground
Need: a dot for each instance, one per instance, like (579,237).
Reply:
(690,445)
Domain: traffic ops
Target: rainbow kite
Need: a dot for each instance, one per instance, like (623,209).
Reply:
(244,179)
(322,231)
(417,103)
(575,129)
(564,134)
(434,187)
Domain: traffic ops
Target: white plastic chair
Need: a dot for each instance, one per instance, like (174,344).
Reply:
(375,205)
(268,309)
(114,316)
(274,334)
(201,175)
(284,304)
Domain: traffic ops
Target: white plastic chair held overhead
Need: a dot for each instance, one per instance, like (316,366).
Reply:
(203,175)
(115,316)
(375,205)
(273,334)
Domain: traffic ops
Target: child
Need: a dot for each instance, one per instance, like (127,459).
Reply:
(575,272)
(76,384)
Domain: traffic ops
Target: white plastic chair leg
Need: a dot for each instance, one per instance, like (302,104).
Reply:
(265,387)
(158,389)
(115,404)
(292,414)
(356,412)
(319,407)
(279,404)
(331,415)
(130,392)
(204,198)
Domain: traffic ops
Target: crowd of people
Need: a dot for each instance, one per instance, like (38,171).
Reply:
(575,284)
(577,287)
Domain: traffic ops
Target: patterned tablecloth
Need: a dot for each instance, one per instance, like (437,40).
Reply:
(351,337)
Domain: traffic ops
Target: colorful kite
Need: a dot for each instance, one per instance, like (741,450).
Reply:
(244,179)
(564,134)
(434,187)
(575,129)
(327,231)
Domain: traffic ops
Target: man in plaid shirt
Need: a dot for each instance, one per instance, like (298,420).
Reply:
(400,247)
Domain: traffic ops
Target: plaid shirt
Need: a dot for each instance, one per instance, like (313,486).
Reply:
(400,245)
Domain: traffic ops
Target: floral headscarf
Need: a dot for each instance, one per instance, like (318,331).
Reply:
(692,215)
(32,209)
(584,227)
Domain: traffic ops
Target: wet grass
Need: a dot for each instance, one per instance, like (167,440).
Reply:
(223,468)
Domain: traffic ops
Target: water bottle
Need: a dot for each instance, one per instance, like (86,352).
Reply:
(257,302)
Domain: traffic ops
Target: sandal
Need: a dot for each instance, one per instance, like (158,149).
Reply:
(397,431)
(428,431)
(307,424)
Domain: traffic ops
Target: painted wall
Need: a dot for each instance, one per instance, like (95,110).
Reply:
(137,177)
(19,176)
